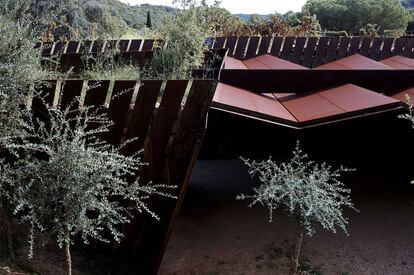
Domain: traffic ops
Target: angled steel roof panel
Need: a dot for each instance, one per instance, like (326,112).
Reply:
(233,63)
(246,102)
(311,107)
(399,62)
(354,62)
(402,96)
(301,111)
(351,98)
(268,61)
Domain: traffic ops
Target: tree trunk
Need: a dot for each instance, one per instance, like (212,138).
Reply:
(9,239)
(7,231)
(67,252)
(296,256)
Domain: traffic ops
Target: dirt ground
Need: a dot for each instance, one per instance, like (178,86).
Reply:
(215,234)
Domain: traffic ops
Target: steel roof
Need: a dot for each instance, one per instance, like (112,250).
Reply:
(354,62)
(262,62)
(399,62)
(299,111)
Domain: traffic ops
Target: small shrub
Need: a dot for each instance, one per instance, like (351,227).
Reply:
(71,182)
(312,193)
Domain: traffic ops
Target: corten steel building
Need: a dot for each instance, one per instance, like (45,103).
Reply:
(339,96)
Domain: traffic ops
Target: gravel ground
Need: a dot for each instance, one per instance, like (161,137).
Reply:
(215,234)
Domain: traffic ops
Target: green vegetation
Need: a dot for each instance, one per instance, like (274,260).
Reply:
(312,194)
(353,16)
(70,182)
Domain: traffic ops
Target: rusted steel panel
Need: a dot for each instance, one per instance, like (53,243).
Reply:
(97,46)
(352,98)
(110,45)
(230,44)
(354,62)
(302,81)
(365,46)
(276,46)
(243,102)
(399,46)
(135,45)
(255,64)
(287,48)
(96,93)
(241,47)
(142,113)
(376,48)
(355,45)
(118,109)
(320,53)
(298,50)
(148,45)
(386,51)
(408,47)
(311,107)
(85,46)
(70,93)
(309,52)
(72,47)
(270,62)
(399,62)
(233,63)
(59,48)
(183,151)
(47,48)
(264,45)
(343,47)
(402,96)
(219,42)
(162,127)
(47,91)
(123,45)
(332,49)
(252,47)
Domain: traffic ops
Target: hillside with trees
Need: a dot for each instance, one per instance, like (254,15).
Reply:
(355,16)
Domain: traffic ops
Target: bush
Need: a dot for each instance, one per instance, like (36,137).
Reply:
(71,182)
(312,193)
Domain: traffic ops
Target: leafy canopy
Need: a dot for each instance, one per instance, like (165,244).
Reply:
(353,15)
(71,182)
(311,192)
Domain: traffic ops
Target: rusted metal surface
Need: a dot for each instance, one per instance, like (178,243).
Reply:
(399,62)
(354,62)
(239,100)
(303,81)
(270,62)
(119,108)
(311,107)
(70,93)
(142,113)
(232,63)
(263,62)
(173,140)
(402,96)
(307,110)
(318,51)
(351,98)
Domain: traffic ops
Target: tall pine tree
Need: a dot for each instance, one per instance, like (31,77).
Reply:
(149,21)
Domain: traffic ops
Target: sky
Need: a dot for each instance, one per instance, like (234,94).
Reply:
(241,6)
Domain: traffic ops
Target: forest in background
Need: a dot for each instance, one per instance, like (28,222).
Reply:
(103,19)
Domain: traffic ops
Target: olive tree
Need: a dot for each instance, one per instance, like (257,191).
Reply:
(312,194)
(71,182)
